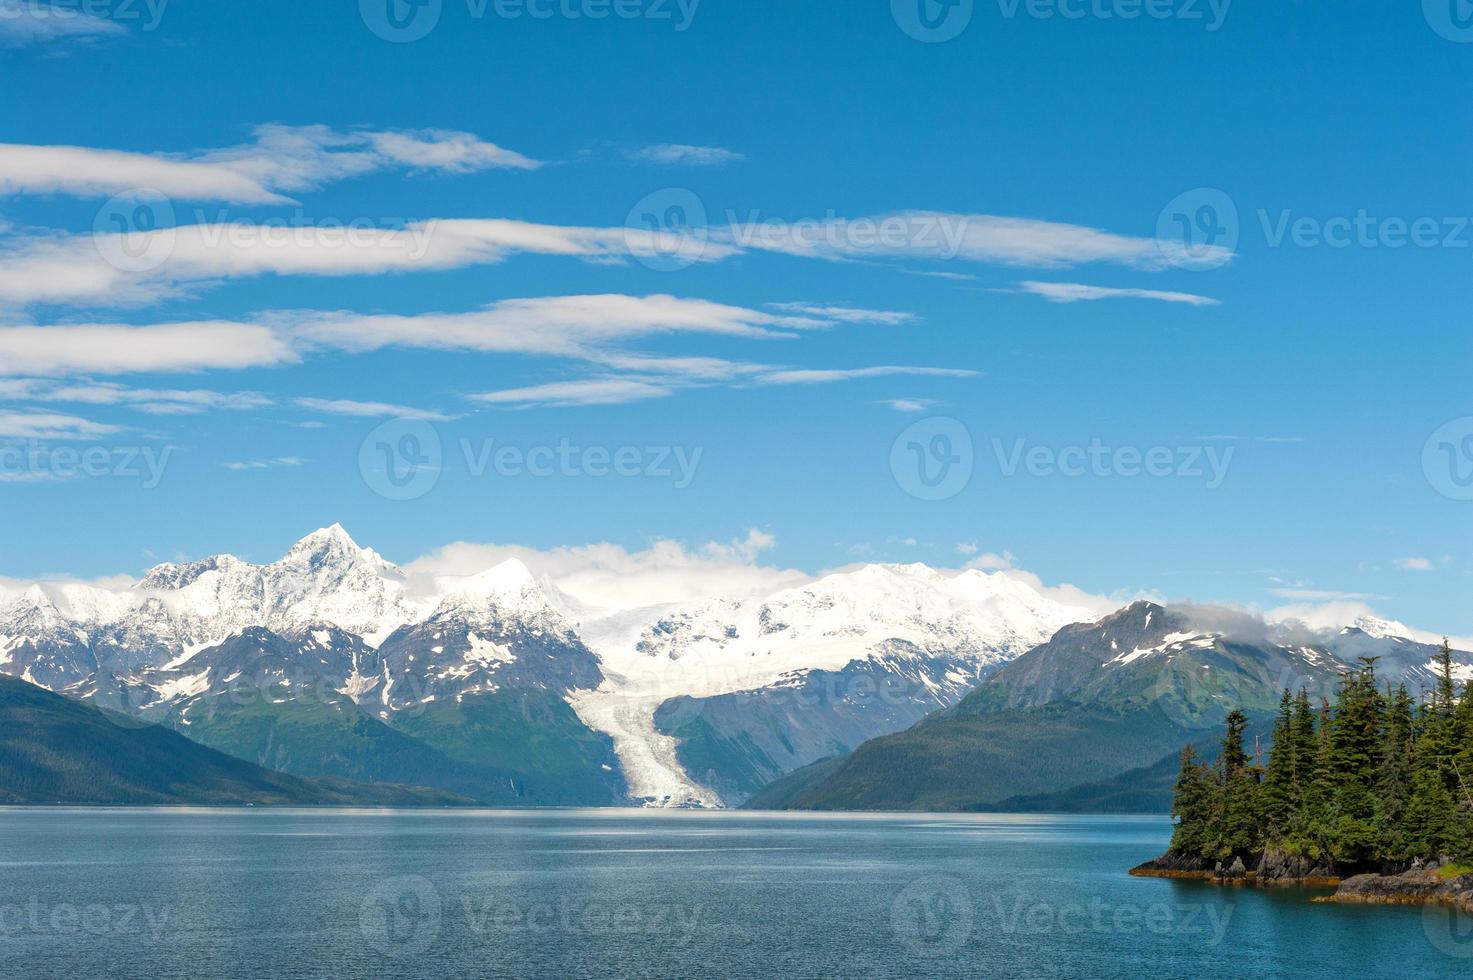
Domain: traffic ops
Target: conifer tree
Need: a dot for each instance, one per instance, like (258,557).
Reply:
(1280,781)
(1194,806)
(1240,829)
(1394,776)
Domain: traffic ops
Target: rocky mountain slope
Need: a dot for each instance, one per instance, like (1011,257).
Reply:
(332,661)
(1097,701)
(57,750)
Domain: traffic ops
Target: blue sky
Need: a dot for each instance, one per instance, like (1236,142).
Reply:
(1023,281)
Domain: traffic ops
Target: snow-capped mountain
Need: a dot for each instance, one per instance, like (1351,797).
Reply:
(492,630)
(177,609)
(325,577)
(39,644)
(706,701)
(690,703)
(320,661)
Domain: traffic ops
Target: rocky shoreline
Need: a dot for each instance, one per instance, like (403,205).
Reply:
(1273,868)
(1434,883)
(1420,886)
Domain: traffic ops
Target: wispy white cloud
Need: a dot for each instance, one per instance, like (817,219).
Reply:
(104,348)
(266,464)
(804,376)
(584,327)
(988,561)
(605,578)
(669,154)
(619,390)
(566,394)
(1414,564)
(24,22)
(104,269)
(342,406)
(158,401)
(909,405)
(847,314)
(592,328)
(80,170)
(282,158)
(1325,595)
(1073,292)
(50,425)
(984,238)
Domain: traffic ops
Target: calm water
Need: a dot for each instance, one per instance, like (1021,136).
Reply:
(262,893)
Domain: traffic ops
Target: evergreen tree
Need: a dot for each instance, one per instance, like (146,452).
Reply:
(1353,754)
(1394,776)
(1194,806)
(1373,781)
(1280,781)
(1240,832)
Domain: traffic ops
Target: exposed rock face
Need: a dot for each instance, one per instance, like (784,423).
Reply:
(1420,886)
(1171,865)
(1270,868)
(1291,869)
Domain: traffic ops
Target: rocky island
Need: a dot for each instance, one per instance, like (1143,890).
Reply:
(1370,796)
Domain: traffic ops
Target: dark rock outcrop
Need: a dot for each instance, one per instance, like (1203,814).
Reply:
(1171,865)
(1420,886)
(1270,868)
(1278,866)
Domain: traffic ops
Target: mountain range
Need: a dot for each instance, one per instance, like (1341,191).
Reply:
(334,664)
(1100,711)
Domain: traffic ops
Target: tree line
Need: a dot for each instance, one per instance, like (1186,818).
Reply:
(1376,781)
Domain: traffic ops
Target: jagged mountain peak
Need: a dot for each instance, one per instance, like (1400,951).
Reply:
(329,546)
(507,591)
(511,577)
(1381,629)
